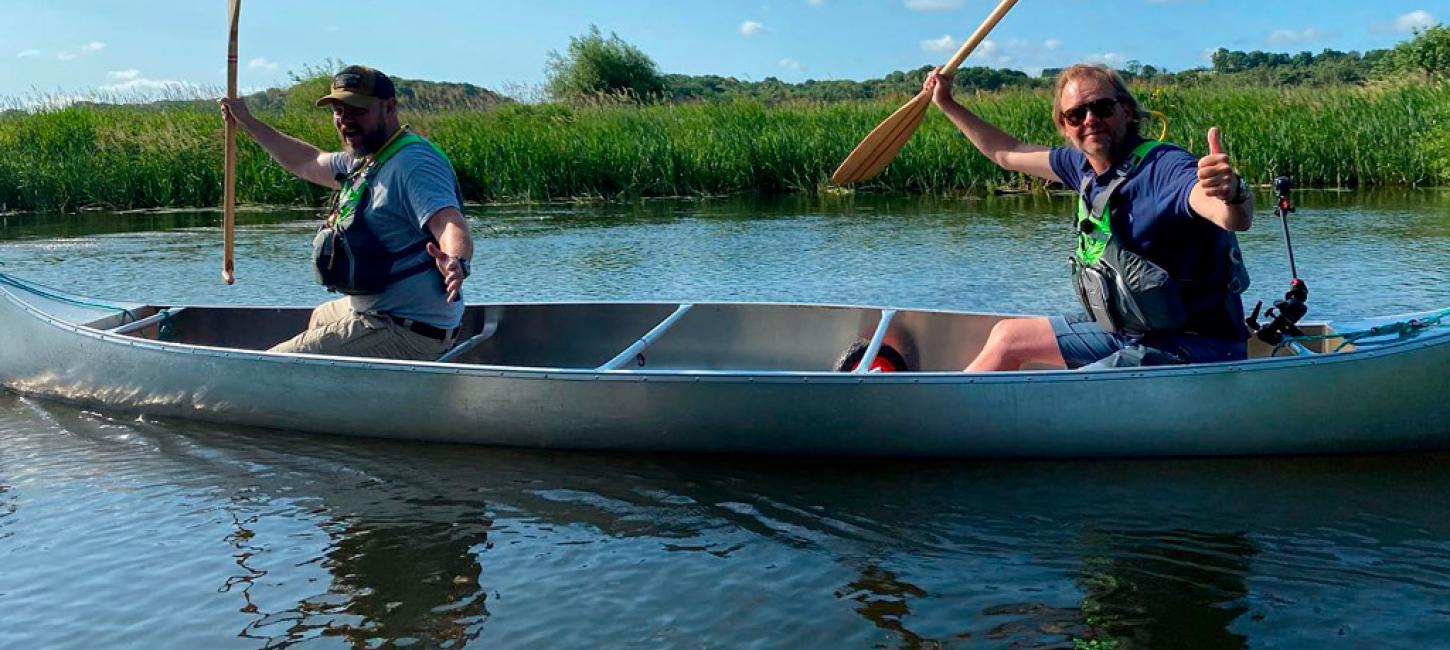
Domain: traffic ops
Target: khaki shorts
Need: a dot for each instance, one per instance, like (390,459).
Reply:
(340,331)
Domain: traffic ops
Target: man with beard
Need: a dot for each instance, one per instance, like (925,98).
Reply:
(396,240)
(1157,265)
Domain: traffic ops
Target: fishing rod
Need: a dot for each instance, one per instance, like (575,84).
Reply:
(1285,314)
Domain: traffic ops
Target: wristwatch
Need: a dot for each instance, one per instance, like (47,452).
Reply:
(1241,193)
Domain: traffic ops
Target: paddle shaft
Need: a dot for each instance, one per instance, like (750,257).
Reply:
(978,36)
(229,186)
(881,145)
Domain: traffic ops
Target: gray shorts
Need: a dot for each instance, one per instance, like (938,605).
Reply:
(1084,344)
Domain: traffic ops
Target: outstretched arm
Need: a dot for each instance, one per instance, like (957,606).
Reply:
(299,158)
(453,250)
(1004,150)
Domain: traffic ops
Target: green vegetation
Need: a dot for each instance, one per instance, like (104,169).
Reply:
(1427,55)
(595,66)
(680,136)
(120,158)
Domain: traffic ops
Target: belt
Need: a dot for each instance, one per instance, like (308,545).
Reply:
(425,329)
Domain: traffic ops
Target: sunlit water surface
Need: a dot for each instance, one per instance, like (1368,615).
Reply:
(124,532)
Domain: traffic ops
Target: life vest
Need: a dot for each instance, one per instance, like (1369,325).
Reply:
(347,257)
(1127,293)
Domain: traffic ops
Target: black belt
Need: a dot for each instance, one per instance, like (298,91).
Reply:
(425,329)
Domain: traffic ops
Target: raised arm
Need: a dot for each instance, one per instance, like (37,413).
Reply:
(1220,196)
(297,157)
(999,147)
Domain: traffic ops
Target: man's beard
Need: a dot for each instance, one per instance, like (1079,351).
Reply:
(372,142)
(1110,150)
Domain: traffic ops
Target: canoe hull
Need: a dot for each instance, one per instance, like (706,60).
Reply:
(1383,400)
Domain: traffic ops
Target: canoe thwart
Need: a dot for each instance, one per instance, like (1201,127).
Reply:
(161,316)
(874,347)
(645,341)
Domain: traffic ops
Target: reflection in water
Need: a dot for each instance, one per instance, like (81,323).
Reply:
(241,539)
(272,540)
(1180,589)
(1141,589)
(8,506)
(419,581)
(882,598)
(397,571)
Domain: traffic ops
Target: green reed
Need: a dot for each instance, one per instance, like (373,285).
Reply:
(122,157)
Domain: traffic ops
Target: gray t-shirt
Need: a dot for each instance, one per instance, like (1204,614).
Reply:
(408,190)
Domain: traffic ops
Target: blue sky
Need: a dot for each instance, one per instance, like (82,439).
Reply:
(63,47)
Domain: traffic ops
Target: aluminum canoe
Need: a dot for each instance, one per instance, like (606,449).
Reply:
(745,378)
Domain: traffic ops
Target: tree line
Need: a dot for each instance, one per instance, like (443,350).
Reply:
(598,67)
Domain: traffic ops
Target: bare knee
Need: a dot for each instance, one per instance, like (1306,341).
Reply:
(1014,342)
(1009,337)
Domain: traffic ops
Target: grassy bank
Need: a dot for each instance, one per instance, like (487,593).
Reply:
(126,157)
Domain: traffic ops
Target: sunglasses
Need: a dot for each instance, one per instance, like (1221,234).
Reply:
(1101,109)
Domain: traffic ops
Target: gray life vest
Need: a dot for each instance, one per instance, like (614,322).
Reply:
(1127,293)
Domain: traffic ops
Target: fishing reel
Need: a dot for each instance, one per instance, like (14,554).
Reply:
(1285,314)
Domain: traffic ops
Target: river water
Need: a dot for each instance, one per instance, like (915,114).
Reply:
(119,531)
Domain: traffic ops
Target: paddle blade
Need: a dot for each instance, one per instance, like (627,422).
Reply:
(881,145)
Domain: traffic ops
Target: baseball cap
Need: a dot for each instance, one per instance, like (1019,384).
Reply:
(358,85)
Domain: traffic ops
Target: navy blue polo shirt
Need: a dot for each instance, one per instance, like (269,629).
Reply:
(1151,217)
(1152,204)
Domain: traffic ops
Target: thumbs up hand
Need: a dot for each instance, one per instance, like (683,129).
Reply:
(1215,175)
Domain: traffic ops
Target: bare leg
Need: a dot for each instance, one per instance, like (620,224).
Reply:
(1016,341)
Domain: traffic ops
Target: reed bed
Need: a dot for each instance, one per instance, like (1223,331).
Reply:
(123,157)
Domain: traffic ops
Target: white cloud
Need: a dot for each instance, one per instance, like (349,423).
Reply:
(1293,37)
(751,28)
(932,5)
(943,44)
(89,48)
(1408,23)
(989,52)
(131,85)
(1114,59)
(1052,43)
(260,63)
(28,53)
(1415,20)
(790,64)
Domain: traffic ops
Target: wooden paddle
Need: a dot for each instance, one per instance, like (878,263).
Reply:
(881,145)
(229,185)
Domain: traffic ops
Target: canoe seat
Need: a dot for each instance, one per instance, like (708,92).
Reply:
(491,317)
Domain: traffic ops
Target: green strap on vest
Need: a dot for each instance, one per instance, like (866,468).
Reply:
(355,186)
(1094,224)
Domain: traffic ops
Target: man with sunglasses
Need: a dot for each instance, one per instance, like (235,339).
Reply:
(395,241)
(1157,265)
